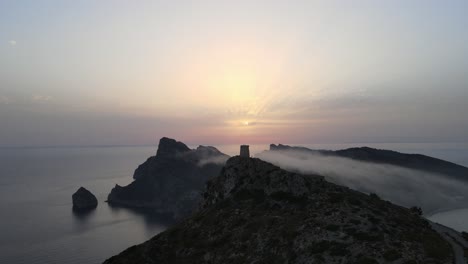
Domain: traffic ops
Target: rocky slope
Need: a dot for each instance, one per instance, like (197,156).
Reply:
(170,182)
(410,161)
(255,212)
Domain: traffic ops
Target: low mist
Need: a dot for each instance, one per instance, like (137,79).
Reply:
(402,186)
(218,160)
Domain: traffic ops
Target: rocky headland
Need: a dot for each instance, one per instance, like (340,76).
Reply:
(255,212)
(170,182)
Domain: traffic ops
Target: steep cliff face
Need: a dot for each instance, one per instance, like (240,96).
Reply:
(255,212)
(170,182)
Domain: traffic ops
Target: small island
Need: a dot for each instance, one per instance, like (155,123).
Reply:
(84,200)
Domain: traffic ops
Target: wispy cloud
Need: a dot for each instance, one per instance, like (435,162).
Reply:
(42,98)
(12,42)
(4,100)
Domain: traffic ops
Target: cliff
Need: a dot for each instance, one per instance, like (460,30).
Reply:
(255,212)
(170,182)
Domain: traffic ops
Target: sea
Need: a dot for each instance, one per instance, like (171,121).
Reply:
(37,224)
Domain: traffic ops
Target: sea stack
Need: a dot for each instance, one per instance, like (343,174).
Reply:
(84,200)
(244,151)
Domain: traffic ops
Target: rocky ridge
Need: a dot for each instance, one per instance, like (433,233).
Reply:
(255,212)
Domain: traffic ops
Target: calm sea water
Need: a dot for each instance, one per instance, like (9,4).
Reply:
(37,224)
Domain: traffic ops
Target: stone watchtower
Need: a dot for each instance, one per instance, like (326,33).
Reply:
(244,151)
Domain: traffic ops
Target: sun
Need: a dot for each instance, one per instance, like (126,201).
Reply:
(245,123)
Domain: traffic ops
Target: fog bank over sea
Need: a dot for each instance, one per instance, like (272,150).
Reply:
(455,152)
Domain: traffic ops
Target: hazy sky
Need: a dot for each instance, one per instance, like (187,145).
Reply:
(212,72)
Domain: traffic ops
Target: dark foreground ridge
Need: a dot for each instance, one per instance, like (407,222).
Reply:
(255,212)
(170,182)
(410,161)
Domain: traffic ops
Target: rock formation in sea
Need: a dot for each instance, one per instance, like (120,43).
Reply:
(84,200)
(170,182)
(255,212)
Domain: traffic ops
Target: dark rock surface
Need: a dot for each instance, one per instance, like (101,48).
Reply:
(255,212)
(170,182)
(84,200)
(410,161)
(170,147)
(465,235)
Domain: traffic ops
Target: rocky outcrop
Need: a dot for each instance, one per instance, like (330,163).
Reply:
(465,235)
(171,147)
(255,212)
(170,182)
(84,200)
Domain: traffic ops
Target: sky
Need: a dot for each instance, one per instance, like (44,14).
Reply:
(227,72)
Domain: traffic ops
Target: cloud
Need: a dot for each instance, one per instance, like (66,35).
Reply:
(218,160)
(42,98)
(399,185)
(4,100)
(12,42)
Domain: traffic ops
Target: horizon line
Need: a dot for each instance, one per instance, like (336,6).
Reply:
(222,144)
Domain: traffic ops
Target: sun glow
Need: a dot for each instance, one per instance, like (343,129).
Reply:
(237,82)
(232,74)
